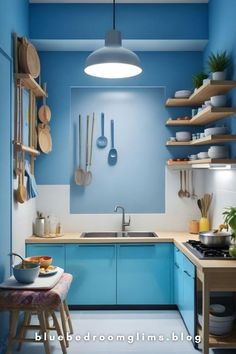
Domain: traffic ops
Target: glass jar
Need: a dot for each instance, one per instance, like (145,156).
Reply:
(204,224)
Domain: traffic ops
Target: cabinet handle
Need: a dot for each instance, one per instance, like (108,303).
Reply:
(141,245)
(187,273)
(176,265)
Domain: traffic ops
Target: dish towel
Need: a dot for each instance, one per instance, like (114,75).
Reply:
(31,183)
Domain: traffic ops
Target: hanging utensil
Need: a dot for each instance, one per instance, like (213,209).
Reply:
(44,138)
(186,193)
(29,62)
(79,173)
(44,112)
(102,140)
(112,156)
(181,193)
(193,195)
(88,175)
(21,192)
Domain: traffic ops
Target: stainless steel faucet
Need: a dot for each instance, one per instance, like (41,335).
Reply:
(124,223)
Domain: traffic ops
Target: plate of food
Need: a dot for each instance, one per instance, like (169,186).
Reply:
(50,270)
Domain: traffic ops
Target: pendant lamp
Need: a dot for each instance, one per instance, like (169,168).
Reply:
(113,61)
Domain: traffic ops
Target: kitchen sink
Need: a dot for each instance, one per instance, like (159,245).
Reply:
(105,234)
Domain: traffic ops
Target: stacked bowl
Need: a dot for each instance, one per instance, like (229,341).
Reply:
(218,152)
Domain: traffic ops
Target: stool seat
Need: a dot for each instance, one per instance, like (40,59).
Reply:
(43,303)
(37,299)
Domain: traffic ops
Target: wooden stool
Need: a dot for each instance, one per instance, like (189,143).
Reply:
(43,303)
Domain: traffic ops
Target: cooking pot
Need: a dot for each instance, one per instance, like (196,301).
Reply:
(215,238)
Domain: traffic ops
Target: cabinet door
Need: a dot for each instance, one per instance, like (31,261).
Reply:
(144,274)
(178,278)
(56,251)
(188,311)
(94,274)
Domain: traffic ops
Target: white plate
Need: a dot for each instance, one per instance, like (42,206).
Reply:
(48,272)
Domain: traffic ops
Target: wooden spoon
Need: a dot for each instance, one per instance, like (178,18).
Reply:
(181,193)
(21,192)
(44,112)
(79,172)
(88,174)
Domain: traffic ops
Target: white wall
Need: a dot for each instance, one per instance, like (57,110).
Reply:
(22,219)
(54,199)
(222,183)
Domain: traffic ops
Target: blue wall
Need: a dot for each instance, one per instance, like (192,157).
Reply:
(222,36)
(150,21)
(137,179)
(64,70)
(13,17)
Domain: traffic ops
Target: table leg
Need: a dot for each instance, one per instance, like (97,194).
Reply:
(66,308)
(205,316)
(59,332)
(43,328)
(23,330)
(12,330)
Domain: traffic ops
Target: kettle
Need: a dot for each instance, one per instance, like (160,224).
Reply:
(39,228)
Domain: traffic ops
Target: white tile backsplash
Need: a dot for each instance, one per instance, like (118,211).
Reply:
(222,183)
(55,199)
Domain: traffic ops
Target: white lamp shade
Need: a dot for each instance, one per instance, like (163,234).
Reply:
(113,61)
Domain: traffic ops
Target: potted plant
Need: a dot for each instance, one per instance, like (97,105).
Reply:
(230,219)
(218,63)
(198,79)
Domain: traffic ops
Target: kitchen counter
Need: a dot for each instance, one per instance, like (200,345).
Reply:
(213,275)
(176,237)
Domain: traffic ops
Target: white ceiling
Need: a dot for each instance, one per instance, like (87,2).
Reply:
(121,1)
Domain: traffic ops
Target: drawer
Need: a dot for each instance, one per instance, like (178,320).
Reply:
(188,267)
(178,258)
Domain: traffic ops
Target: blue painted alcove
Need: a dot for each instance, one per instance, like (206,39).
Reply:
(137,180)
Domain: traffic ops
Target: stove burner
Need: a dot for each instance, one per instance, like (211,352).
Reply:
(203,252)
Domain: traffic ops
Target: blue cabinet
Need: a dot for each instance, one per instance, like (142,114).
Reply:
(94,274)
(178,278)
(184,289)
(188,309)
(56,251)
(144,273)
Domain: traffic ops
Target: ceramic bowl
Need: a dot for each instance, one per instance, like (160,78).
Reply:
(219,325)
(202,155)
(216,131)
(218,152)
(183,94)
(192,157)
(43,261)
(218,101)
(26,275)
(183,136)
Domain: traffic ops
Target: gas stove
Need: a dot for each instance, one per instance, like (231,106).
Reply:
(203,252)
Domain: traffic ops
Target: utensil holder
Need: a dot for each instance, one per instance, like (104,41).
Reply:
(204,224)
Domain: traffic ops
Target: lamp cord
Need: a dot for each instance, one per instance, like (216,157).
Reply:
(114,14)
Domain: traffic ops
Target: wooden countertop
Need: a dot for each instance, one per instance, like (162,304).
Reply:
(163,236)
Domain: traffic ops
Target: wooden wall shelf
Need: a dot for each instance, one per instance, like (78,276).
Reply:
(209,89)
(24,148)
(211,139)
(223,341)
(28,82)
(206,116)
(201,162)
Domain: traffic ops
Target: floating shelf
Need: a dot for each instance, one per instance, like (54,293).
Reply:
(211,139)
(206,116)
(209,89)
(202,161)
(24,148)
(221,341)
(28,82)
